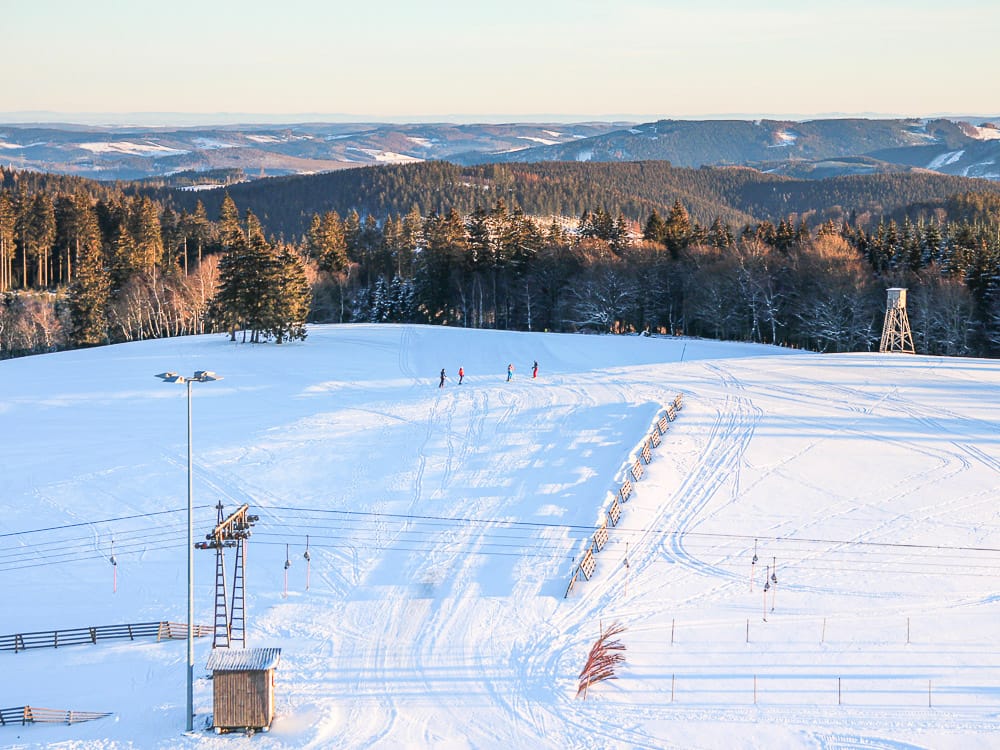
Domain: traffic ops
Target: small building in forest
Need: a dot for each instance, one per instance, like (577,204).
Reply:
(243,688)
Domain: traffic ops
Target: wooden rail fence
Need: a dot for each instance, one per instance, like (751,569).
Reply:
(634,473)
(23,715)
(77,636)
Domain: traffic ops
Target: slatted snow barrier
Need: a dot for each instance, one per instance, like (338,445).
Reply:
(601,536)
(98,633)
(634,472)
(615,512)
(24,715)
(626,490)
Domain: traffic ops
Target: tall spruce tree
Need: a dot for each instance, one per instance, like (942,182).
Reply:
(677,234)
(91,289)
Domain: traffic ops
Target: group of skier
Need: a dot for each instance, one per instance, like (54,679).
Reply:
(510,373)
(461,376)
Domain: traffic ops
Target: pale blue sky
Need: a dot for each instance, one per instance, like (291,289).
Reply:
(398,59)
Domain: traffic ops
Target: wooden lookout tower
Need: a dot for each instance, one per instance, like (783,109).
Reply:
(243,688)
(896,336)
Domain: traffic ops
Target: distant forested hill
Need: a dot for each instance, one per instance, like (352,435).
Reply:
(735,195)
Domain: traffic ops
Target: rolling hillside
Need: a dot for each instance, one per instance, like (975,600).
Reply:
(444,525)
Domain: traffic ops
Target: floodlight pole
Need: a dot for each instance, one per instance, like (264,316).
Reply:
(190,561)
(201,376)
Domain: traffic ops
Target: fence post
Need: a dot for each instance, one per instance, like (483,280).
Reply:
(838,692)
(928,693)
(748,630)
(672,623)
(822,638)
(673,680)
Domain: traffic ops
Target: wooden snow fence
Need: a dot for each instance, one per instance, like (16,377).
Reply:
(615,512)
(654,438)
(77,636)
(24,715)
(601,536)
(626,490)
(634,473)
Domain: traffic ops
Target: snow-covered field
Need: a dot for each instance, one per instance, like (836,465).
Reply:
(444,525)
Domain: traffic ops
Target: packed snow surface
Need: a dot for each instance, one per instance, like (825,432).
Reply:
(785,137)
(155,150)
(945,159)
(387,157)
(444,525)
(986,134)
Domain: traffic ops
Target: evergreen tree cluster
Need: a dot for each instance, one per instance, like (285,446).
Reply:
(84,264)
(95,265)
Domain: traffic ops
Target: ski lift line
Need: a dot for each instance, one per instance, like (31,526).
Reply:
(80,556)
(845,555)
(622,529)
(169,543)
(13,563)
(929,567)
(92,554)
(427,538)
(88,544)
(695,545)
(403,530)
(835,553)
(89,541)
(60,558)
(427,549)
(105,520)
(445,519)
(85,542)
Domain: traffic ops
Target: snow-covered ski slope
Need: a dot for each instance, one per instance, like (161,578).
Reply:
(444,525)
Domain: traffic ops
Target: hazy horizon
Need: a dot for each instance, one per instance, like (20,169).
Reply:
(391,59)
(228,119)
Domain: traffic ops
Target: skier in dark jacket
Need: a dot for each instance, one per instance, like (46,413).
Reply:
(534,369)
(441,384)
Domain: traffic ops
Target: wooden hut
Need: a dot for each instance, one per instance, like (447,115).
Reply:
(243,688)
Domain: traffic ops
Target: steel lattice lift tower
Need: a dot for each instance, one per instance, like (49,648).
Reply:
(230,620)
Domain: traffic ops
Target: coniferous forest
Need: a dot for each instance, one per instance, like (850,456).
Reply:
(630,247)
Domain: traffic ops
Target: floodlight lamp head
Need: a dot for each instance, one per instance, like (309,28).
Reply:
(205,376)
(171,377)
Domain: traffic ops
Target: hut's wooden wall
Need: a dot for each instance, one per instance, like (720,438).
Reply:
(243,699)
